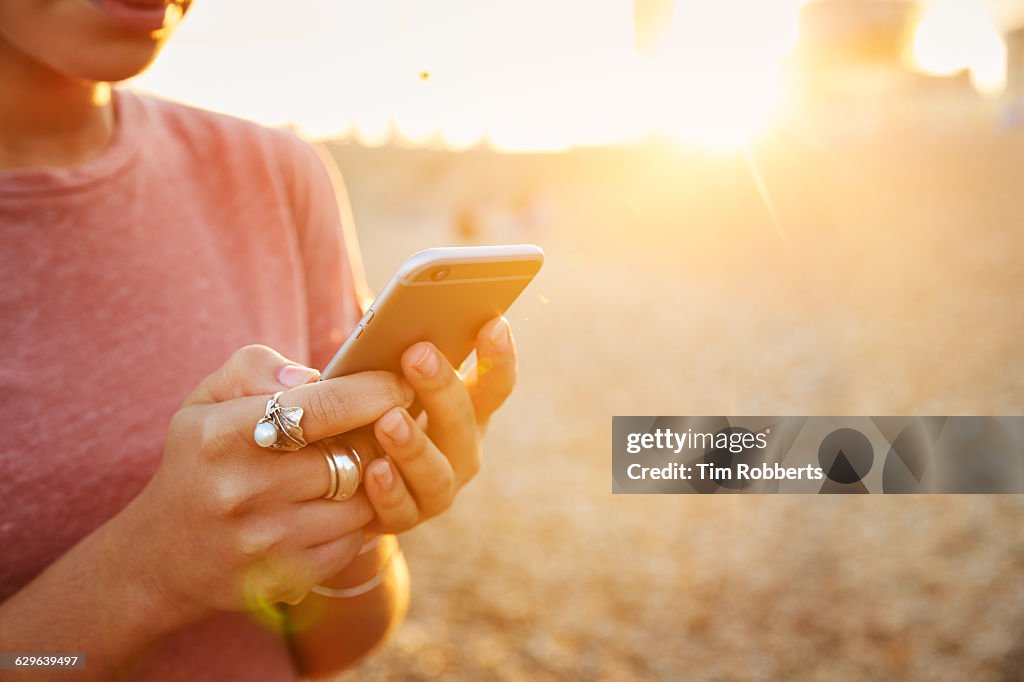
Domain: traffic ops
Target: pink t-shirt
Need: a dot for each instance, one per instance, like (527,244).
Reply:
(123,282)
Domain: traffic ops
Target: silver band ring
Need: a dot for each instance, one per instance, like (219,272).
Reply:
(345,467)
(279,427)
(332,468)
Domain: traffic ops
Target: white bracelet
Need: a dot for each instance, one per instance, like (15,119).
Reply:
(349,592)
(361,588)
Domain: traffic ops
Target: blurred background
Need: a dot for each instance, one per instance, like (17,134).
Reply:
(759,207)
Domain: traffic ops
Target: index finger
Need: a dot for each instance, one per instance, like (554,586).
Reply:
(329,407)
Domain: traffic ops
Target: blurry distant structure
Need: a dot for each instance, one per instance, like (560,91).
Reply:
(873,63)
(856,31)
(850,57)
(1014,37)
(467,225)
(1015,61)
(652,20)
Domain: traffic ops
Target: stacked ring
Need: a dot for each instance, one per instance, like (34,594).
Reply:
(345,470)
(332,486)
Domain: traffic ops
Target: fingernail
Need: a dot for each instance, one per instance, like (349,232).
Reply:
(296,375)
(382,474)
(500,335)
(426,362)
(393,424)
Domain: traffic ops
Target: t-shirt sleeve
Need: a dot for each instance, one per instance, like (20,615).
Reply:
(336,290)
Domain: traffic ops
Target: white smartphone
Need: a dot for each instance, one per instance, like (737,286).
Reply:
(442,295)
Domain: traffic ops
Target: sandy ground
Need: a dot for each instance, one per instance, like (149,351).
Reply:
(887,282)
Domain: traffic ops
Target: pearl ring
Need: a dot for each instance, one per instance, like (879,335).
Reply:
(279,427)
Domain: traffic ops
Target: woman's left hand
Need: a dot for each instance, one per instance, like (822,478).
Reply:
(425,465)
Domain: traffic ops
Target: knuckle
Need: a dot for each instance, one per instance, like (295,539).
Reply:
(258,542)
(341,552)
(279,588)
(439,493)
(267,582)
(251,353)
(389,390)
(348,546)
(242,365)
(361,511)
(213,439)
(411,453)
(184,425)
(324,405)
(208,431)
(444,378)
(502,378)
(261,484)
(433,509)
(466,412)
(395,394)
(392,503)
(229,495)
(403,519)
(295,596)
(410,520)
(397,511)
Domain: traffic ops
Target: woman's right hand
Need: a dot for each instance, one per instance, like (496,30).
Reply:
(227,525)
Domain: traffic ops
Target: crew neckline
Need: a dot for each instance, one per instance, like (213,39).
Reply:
(114,157)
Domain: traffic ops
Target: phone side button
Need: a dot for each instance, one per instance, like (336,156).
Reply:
(358,332)
(368,318)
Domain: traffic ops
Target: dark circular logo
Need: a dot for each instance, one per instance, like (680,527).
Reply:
(846,456)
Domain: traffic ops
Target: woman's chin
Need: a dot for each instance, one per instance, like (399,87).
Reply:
(115,65)
(113,71)
(96,43)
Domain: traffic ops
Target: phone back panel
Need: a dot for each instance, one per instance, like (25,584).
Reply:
(448,313)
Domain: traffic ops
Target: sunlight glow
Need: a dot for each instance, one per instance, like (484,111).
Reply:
(724,76)
(534,75)
(959,35)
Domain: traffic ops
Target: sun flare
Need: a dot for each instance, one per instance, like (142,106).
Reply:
(525,76)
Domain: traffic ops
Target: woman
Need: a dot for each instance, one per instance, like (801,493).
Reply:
(144,243)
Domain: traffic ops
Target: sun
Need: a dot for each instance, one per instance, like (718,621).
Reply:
(718,81)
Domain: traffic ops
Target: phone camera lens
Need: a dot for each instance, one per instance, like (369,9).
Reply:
(439,274)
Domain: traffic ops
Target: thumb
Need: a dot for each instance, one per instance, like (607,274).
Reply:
(252,370)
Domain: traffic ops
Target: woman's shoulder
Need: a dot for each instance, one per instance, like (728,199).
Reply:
(218,138)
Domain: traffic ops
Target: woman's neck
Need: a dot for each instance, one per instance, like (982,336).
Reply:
(48,119)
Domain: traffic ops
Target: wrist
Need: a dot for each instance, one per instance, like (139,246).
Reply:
(96,599)
(136,571)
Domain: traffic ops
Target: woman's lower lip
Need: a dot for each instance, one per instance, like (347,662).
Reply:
(139,15)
